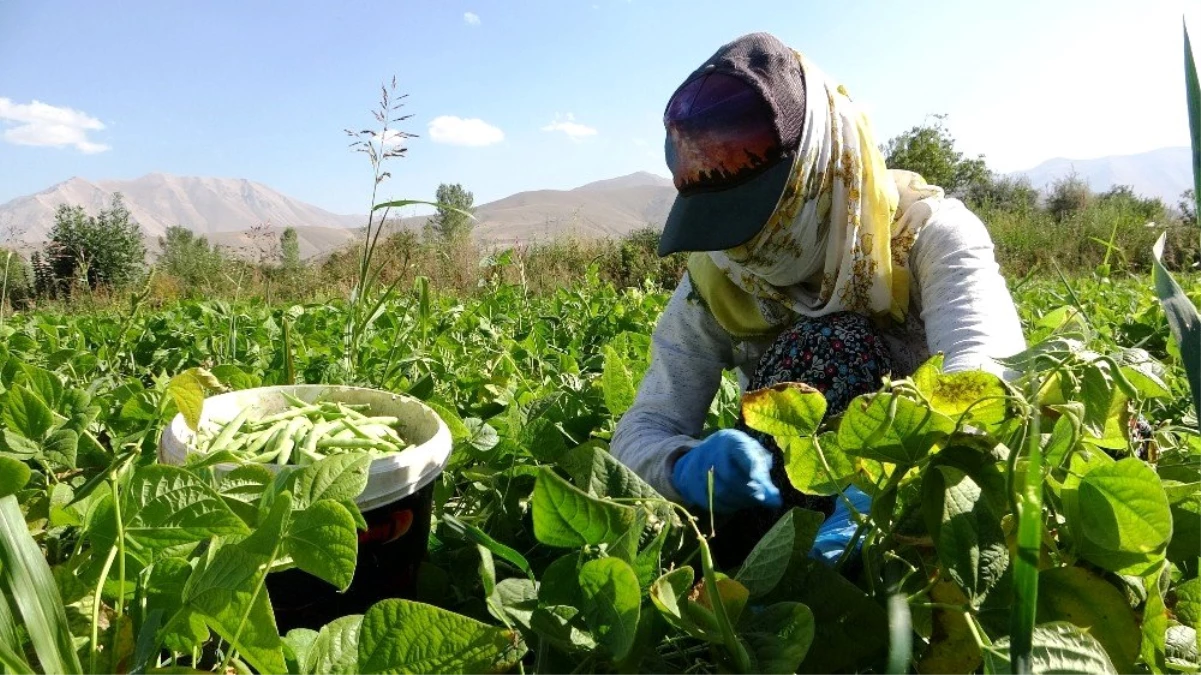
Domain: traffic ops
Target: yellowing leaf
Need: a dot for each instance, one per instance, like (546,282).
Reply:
(785,410)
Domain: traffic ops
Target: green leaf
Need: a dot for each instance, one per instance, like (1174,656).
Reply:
(229,594)
(557,625)
(26,414)
(977,393)
(297,644)
(338,477)
(1186,532)
(969,539)
(1181,649)
(617,383)
(1192,88)
(668,596)
(62,513)
(1181,312)
(401,636)
(167,506)
(517,598)
(925,378)
(336,649)
(784,410)
(234,377)
(61,447)
(13,476)
(566,517)
(560,583)
(647,562)
(600,474)
(187,391)
(779,637)
(481,435)
(1147,375)
(1059,647)
(891,428)
(454,423)
(805,470)
(167,578)
(1123,509)
(27,581)
(851,628)
(1188,602)
(611,598)
(792,535)
(1084,599)
(1064,436)
(1153,650)
(14,443)
(323,542)
(1097,392)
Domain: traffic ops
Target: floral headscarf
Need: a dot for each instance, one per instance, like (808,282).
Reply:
(840,235)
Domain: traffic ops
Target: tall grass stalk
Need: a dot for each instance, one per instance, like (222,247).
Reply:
(8,256)
(379,146)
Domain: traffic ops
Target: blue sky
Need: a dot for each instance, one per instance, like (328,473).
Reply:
(519,95)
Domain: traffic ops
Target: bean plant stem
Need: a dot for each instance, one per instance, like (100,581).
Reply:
(120,607)
(96,604)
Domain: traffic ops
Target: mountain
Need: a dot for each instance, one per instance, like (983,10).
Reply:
(604,208)
(1163,173)
(219,208)
(226,210)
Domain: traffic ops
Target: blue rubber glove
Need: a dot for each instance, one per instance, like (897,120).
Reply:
(836,532)
(741,473)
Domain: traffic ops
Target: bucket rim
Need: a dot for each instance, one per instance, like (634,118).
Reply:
(440,442)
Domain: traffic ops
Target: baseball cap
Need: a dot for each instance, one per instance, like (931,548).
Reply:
(733,128)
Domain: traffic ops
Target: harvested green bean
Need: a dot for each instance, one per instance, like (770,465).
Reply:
(305,432)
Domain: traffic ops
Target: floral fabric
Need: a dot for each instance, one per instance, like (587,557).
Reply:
(840,236)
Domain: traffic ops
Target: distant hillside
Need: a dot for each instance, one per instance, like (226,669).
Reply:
(1163,173)
(605,208)
(225,209)
(214,207)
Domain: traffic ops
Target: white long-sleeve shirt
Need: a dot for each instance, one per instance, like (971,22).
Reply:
(960,306)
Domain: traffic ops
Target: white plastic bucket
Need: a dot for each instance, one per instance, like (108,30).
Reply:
(390,478)
(397,502)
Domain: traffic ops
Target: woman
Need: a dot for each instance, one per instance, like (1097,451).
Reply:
(810,262)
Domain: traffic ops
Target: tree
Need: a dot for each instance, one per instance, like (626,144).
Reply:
(1004,193)
(448,223)
(106,249)
(188,257)
(16,279)
(929,150)
(1188,207)
(289,247)
(1069,195)
(1124,198)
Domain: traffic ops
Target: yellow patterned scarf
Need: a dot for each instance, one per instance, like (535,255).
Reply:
(839,237)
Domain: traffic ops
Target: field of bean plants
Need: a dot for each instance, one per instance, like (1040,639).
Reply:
(544,553)
(1050,523)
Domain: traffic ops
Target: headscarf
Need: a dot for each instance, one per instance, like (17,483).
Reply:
(840,235)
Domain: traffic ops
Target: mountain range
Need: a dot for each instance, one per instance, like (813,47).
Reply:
(228,211)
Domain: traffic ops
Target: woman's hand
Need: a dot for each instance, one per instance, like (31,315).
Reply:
(741,473)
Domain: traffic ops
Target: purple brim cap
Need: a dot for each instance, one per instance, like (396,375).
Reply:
(732,130)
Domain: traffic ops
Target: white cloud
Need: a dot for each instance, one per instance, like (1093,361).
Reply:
(42,124)
(567,124)
(467,132)
(471,18)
